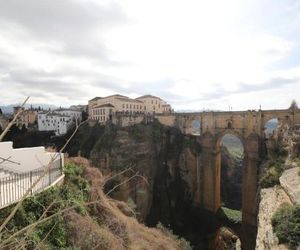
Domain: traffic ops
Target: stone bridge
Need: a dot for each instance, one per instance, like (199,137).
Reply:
(249,127)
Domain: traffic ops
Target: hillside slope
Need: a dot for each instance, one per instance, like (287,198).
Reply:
(81,216)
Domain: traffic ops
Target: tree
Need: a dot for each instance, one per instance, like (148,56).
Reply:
(294,105)
(1,111)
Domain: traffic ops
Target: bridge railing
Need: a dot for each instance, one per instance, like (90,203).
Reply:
(14,187)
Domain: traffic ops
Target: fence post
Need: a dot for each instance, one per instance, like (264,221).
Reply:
(61,165)
(30,174)
(49,172)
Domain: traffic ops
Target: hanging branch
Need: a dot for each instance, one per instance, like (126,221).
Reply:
(13,120)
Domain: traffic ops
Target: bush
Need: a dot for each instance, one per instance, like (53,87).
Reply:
(51,232)
(229,215)
(286,224)
(271,175)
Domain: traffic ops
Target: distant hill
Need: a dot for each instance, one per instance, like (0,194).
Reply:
(9,108)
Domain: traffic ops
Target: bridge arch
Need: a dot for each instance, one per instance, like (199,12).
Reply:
(210,172)
(270,127)
(235,143)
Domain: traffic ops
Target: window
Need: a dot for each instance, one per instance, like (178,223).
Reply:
(123,106)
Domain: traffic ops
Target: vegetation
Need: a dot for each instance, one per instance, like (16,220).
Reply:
(230,215)
(275,166)
(78,215)
(286,225)
(294,105)
(233,145)
(271,175)
(74,192)
(182,242)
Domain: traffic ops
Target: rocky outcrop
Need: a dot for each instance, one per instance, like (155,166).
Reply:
(290,182)
(226,239)
(271,200)
(124,151)
(163,160)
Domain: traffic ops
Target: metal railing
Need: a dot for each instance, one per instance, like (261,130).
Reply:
(13,187)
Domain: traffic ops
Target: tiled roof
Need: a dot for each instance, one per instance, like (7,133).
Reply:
(96,98)
(103,106)
(129,100)
(148,96)
(117,95)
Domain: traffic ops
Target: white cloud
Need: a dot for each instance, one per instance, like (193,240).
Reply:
(193,53)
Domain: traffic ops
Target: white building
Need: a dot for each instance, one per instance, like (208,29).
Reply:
(51,121)
(59,120)
(73,113)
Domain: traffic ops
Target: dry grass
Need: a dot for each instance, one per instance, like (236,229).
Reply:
(112,216)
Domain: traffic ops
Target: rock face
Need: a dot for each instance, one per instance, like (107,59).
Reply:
(271,200)
(290,181)
(163,159)
(226,239)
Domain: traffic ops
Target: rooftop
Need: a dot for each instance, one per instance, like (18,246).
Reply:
(129,99)
(96,98)
(104,105)
(148,96)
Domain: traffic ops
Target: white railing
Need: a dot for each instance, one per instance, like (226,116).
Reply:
(13,187)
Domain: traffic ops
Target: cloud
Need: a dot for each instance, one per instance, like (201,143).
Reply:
(75,27)
(69,51)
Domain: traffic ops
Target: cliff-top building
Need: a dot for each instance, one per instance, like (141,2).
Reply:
(154,104)
(27,117)
(100,108)
(58,121)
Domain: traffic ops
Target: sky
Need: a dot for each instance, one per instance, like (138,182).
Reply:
(195,54)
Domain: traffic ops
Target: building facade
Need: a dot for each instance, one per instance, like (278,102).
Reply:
(58,121)
(103,113)
(147,104)
(75,115)
(51,121)
(27,117)
(154,104)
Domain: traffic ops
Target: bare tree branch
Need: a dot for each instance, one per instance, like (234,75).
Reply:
(8,160)
(13,120)
(47,168)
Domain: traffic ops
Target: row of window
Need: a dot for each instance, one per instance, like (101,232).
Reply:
(100,118)
(99,112)
(134,106)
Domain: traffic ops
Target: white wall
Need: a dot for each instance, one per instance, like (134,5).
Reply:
(28,158)
(58,123)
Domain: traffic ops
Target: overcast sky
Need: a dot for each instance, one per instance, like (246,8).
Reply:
(195,54)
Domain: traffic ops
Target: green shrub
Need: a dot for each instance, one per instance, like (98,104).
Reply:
(73,192)
(271,175)
(286,224)
(230,215)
